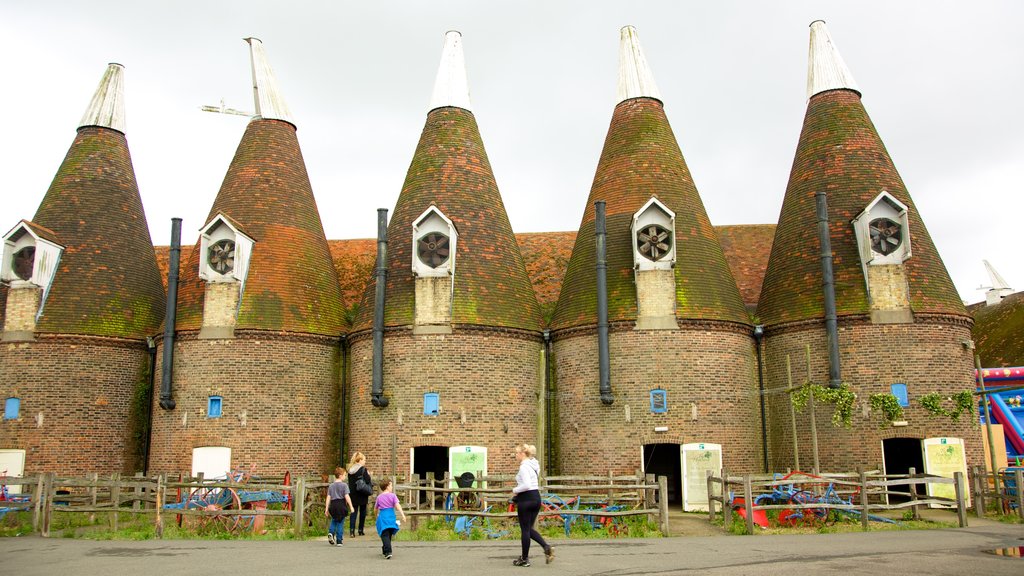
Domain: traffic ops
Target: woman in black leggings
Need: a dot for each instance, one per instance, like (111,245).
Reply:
(526,495)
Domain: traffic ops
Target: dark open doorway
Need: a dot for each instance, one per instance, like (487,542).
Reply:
(663,460)
(430,459)
(900,455)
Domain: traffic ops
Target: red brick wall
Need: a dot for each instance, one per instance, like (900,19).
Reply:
(927,357)
(493,376)
(83,387)
(286,385)
(715,369)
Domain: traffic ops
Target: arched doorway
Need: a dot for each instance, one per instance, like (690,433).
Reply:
(430,459)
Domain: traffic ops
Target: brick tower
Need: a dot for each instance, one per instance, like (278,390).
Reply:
(681,352)
(899,318)
(84,294)
(462,344)
(256,352)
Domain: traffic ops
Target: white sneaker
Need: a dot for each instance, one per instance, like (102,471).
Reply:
(330,539)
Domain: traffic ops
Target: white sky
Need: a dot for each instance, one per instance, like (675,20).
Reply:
(941,80)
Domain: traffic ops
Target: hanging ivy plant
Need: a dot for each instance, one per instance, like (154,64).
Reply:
(843,398)
(962,402)
(888,405)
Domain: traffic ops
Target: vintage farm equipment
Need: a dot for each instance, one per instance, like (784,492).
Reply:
(215,499)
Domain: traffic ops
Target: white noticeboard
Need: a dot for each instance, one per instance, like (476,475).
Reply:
(943,457)
(12,465)
(697,458)
(461,459)
(212,461)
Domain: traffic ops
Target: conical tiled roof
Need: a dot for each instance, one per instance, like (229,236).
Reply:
(450,170)
(999,332)
(641,159)
(292,285)
(107,282)
(840,152)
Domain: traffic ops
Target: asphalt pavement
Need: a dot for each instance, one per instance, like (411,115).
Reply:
(880,553)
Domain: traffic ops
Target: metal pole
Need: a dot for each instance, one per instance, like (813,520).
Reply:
(604,365)
(166,369)
(377,397)
(828,287)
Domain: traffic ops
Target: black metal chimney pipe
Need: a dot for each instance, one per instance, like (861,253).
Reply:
(381,278)
(604,367)
(828,287)
(174,260)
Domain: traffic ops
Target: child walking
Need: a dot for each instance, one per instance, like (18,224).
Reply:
(387,522)
(337,507)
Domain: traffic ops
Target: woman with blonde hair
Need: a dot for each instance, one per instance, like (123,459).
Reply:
(526,495)
(361,487)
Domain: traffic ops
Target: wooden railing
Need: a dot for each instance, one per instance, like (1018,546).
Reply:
(866,493)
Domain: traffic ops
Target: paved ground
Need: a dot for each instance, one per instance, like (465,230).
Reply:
(924,552)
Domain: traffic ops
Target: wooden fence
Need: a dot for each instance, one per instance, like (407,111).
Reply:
(635,495)
(1003,490)
(48,494)
(866,492)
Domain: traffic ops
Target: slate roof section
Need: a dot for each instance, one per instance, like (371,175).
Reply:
(640,159)
(839,151)
(746,248)
(450,170)
(999,332)
(107,282)
(292,285)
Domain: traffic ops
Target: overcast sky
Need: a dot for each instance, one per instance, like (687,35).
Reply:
(942,81)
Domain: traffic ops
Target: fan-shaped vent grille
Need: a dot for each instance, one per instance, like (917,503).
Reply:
(222,256)
(433,249)
(24,262)
(886,236)
(654,242)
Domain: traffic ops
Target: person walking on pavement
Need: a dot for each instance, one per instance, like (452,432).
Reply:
(526,495)
(361,487)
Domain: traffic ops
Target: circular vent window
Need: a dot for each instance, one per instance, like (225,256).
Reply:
(654,242)
(433,249)
(886,236)
(222,256)
(24,262)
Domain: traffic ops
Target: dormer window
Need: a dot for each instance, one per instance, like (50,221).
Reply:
(24,262)
(224,251)
(654,246)
(434,237)
(883,231)
(30,255)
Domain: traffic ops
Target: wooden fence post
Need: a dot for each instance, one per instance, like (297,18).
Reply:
(748,503)
(115,496)
(414,480)
(649,480)
(1018,476)
(136,491)
(913,495)
(663,503)
(711,495)
(94,479)
(431,493)
(961,501)
(300,505)
(611,491)
(863,500)
(159,523)
(726,505)
(979,494)
(47,504)
(37,501)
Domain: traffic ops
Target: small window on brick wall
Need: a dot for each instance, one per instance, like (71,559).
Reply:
(12,406)
(659,401)
(431,403)
(900,392)
(213,407)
